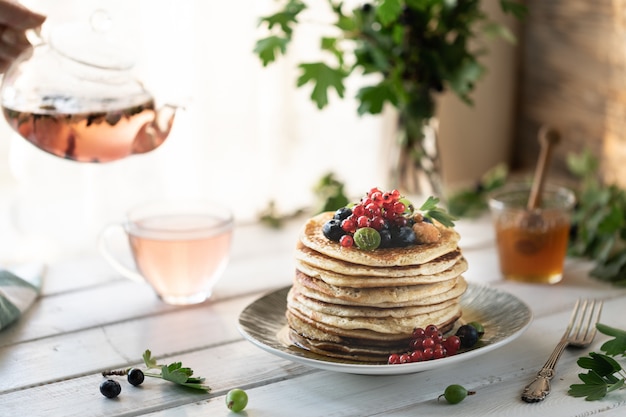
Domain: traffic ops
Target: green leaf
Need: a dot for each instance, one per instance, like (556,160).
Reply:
(372,98)
(516,9)
(268,48)
(285,18)
(174,373)
(593,388)
(388,11)
(430,203)
(603,365)
(463,80)
(330,194)
(323,78)
(495,30)
(432,211)
(615,346)
(149,361)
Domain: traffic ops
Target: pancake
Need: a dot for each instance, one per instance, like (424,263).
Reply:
(341,280)
(319,260)
(384,325)
(312,237)
(312,329)
(343,351)
(380,297)
(298,299)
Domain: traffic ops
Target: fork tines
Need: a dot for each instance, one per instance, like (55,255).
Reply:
(582,326)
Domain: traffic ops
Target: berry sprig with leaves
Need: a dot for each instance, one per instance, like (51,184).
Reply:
(174,372)
(604,373)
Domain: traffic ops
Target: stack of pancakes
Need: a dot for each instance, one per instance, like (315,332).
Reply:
(360,305)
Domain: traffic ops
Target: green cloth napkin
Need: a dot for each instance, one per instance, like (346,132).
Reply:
(16,295)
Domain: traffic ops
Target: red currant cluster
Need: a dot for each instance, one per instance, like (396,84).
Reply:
(378,210)
(427,344)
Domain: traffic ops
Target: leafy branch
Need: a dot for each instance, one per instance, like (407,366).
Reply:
(418,48)
(604,373)
(599,221)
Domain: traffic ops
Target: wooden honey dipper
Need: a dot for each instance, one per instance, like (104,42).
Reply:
(548,139)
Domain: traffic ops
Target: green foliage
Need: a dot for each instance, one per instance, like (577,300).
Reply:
(330,194)
(417,47)
(604,373)
(174,372)
(599,221)
(473,201)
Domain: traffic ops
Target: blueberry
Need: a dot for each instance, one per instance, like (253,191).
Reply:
(332,230)
(110,388)
(342,213)
(135,376)
(385,238)
(468,335)
(405,236)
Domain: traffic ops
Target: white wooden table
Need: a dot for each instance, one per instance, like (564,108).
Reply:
(90,319)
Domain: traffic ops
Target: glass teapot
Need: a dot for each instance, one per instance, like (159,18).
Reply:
(74,96)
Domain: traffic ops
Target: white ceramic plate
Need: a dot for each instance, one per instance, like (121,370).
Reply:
(504,317)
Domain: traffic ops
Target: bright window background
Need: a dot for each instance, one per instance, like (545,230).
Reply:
(246,135)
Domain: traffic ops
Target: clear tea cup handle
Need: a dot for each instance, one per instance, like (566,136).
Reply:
(104,248)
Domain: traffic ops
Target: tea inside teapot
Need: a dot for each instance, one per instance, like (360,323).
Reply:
(75,99)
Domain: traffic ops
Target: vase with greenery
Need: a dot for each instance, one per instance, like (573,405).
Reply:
(415,49)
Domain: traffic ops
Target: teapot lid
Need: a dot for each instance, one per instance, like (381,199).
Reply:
(94,43)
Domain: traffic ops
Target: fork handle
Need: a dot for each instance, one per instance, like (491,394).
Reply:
(539,388)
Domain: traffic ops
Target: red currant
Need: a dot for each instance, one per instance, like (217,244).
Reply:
(416,343)
(394,359)
(428,354)
(363,221)
(395,194)
(374,190)
(399,207)
(377,198)
(346,241)
(431,330)
(452,344)
(358,210)
(417,356)
(348,225)
(439,352)
(437,337)
(400,221)
(378,223)
(428,342)
(405,358)
(418,333)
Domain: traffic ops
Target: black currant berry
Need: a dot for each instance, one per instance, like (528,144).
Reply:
(110,388)
(332,230)
(135,376)
(468,335)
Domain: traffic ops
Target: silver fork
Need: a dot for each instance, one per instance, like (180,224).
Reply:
(580,332)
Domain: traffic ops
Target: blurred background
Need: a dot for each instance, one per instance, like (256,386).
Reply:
(247,136)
